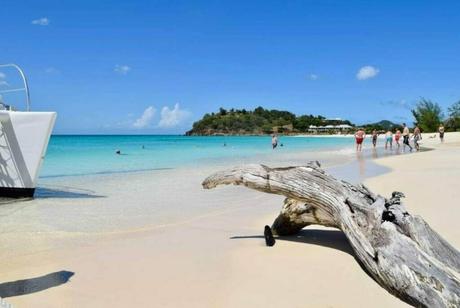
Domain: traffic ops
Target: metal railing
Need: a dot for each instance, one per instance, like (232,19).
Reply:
(24,79)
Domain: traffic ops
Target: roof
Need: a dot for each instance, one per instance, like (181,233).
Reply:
(330,126)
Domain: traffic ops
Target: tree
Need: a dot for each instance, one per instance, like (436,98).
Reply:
(259,121)
(454,110)
(302,123)
(259,111)
(222,111)
(453,122)
(427,115)
(267,128)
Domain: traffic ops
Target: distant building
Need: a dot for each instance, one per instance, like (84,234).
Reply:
(330,129)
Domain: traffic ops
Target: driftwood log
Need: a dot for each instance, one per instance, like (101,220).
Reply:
(398,250)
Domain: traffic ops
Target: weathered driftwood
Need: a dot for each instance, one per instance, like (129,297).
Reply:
(398,250)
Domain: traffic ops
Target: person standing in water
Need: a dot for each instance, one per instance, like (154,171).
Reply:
(406,135)
(374,138)
(274,141)
(441,132)
(397,137)
(389,139)
(417,137)
(359,136)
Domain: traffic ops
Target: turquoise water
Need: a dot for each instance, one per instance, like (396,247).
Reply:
(80,155)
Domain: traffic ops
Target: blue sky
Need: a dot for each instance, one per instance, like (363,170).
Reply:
(156,66)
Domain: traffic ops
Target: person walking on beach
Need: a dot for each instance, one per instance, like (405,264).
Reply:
(374,138)
(406,135)
(441,132)
(389,139)
(417,138)
(274,141)
(359,136)
(397,137)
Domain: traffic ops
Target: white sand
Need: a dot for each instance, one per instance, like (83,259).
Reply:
(158,240)
(430,180)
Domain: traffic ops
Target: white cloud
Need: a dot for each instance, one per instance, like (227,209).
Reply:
(172,117)
(313,77)
(146,118)
(2,75)
(122,69)
(41,21)
(367,72)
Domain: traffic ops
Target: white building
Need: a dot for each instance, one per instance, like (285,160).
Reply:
(337,129)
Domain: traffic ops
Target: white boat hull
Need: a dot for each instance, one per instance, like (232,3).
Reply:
(24,138)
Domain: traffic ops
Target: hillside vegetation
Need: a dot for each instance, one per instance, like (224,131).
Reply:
(260,121)
(381,126)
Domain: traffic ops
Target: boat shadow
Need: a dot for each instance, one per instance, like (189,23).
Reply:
(46,192)
(33,285)
(334,239)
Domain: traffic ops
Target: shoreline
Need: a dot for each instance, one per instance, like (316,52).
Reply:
(342,153)
(428,180)
(153,157)
(205,254)
(156,153)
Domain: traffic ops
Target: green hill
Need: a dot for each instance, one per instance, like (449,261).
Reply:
(383,125)
(260,121)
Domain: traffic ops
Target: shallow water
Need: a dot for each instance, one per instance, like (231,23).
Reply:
(74,210)
(81,155)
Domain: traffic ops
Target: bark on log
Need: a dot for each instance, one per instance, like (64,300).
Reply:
(398,250)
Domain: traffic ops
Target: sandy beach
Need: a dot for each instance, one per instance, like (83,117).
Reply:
(156,239)
(134,135)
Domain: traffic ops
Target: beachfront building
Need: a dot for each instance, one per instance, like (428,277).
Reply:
(330,129)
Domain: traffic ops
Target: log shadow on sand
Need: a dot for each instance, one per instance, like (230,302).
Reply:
(327,238)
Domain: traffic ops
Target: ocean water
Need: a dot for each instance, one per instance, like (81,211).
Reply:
(71,155)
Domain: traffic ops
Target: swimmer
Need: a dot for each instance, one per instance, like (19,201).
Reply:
(274,141)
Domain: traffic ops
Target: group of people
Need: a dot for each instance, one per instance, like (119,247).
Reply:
(360,135)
